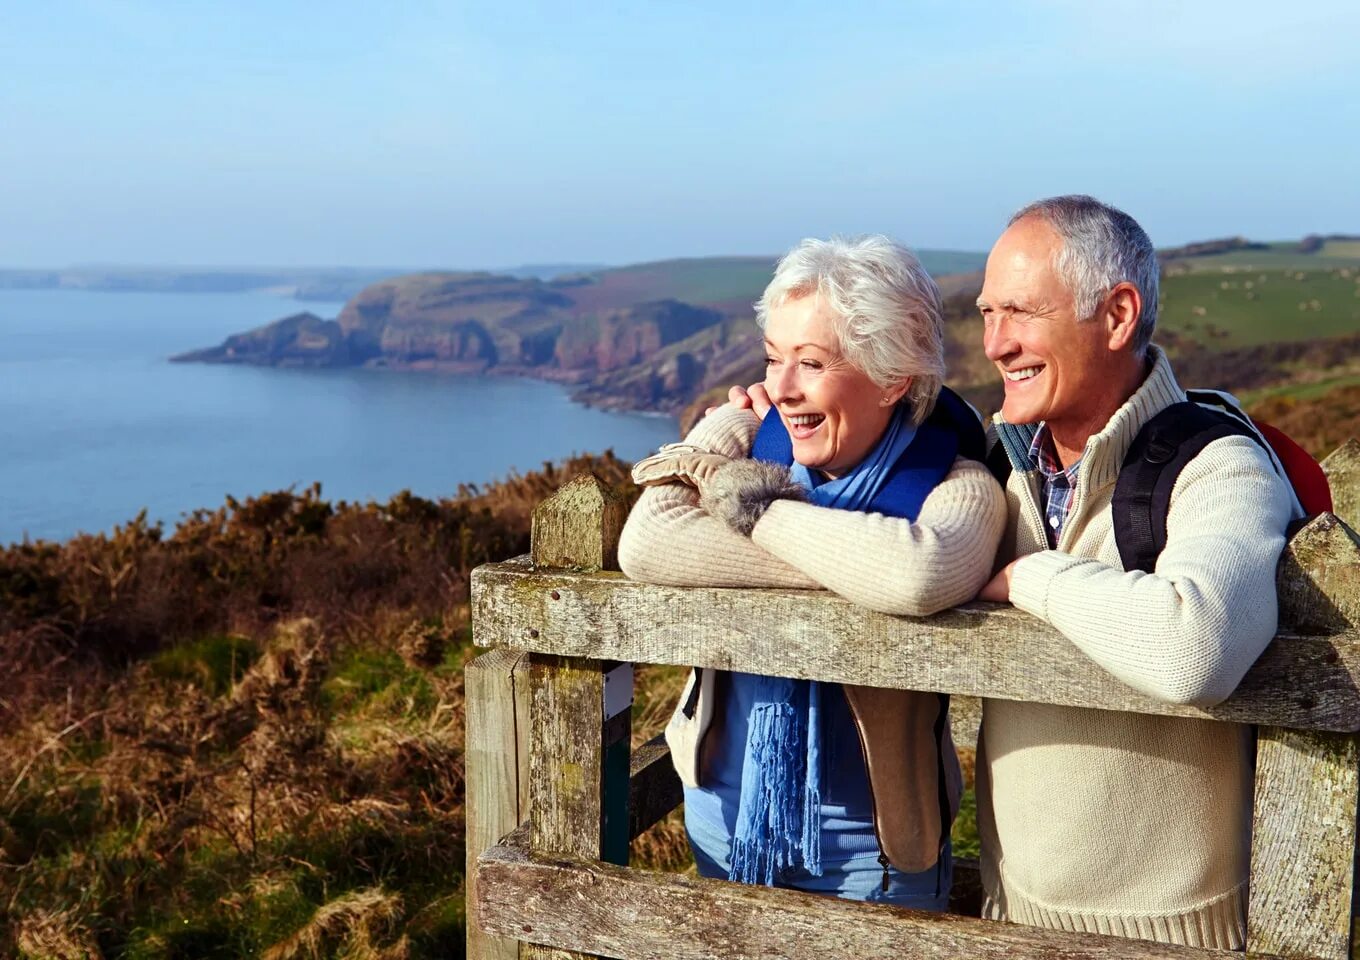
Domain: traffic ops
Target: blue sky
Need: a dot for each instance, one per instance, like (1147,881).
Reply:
(426,134)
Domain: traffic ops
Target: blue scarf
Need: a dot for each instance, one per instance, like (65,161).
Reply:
(779,811)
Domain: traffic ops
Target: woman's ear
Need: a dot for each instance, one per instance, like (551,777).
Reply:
(894,394)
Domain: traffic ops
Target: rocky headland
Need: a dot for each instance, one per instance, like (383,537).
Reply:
(619,339)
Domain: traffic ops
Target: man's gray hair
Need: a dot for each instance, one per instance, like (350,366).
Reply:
(1102,247)
(885,308)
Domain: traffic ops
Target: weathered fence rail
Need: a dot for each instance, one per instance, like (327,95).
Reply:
(548,716)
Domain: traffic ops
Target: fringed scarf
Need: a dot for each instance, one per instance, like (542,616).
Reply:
(779,811)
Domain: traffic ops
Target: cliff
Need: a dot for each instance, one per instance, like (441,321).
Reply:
(622,346)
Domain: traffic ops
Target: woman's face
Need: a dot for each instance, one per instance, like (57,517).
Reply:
(834,413)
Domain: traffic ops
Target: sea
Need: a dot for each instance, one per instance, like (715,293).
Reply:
(97,425)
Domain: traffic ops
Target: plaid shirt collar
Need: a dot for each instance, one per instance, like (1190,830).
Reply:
(1060,484)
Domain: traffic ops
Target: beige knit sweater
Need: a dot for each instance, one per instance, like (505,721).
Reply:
(884,563)
(1119,822)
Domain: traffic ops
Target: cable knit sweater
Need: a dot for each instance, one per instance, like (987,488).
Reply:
(884,563)
(1119,822)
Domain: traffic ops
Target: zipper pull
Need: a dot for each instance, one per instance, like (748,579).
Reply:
(883,862)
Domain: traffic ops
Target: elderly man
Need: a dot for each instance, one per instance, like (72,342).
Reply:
(1117,823)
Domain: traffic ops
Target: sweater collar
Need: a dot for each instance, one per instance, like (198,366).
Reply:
(1105,451)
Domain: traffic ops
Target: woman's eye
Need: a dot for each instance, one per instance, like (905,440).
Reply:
(811,364)
(770,361)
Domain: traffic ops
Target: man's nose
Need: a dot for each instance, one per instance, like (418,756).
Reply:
(997,341)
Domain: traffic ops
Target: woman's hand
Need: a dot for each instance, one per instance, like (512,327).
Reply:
(753,397)
(678,463)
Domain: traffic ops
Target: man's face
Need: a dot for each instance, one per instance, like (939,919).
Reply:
(1054,366)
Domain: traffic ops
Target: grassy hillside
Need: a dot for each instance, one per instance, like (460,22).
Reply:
(244,737)
(1248,307)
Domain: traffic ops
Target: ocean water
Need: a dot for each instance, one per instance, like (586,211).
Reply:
(96,425)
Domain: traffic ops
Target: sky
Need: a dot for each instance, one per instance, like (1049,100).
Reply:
(458,135)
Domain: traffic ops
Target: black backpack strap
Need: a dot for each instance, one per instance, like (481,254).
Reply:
(1142,494)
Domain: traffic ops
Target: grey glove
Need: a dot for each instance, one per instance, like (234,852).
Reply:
(740,491)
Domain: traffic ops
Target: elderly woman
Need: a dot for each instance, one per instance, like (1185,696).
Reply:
(863,479)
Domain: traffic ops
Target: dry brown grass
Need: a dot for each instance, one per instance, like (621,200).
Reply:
(246,735)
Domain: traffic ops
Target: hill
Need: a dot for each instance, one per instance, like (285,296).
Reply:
(665,335)
(647,336)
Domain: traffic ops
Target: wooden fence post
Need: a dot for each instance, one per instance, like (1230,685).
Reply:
(1308,784)
(1342,467)
(581,708)
(496,765)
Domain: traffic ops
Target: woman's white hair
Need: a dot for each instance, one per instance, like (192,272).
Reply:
(885,309)
(1102,248)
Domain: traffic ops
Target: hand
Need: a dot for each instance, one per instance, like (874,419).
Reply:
(753,397)
(998,589)
(760,400)
(677,463)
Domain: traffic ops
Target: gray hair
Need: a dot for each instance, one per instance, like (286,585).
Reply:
(886,309)
(1102,247)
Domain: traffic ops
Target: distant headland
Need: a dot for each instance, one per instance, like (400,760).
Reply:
(1258,318)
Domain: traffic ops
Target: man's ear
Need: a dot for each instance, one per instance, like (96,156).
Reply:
(1122,308)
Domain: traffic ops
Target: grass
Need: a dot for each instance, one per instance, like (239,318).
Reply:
(213,663)
(1241,309)
(244,738)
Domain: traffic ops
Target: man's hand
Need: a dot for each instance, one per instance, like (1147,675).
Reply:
(998,589)
(753,397)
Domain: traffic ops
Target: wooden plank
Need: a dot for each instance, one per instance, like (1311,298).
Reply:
(1319,578)
(965,719)
(1303,843)
(581,708)
(597,908)
(579,526)
(1308,783)
(496,687)
(1342,467)
(578,765)
(980,650)
(654,788)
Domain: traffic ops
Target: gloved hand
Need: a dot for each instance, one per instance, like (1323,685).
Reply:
(740,491)
(678,463)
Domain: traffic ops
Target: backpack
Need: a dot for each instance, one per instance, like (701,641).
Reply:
(1160,451)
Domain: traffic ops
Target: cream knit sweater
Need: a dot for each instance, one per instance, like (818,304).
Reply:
(1118,822)
(884,563)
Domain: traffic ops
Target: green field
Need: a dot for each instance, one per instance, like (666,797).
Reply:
(1245,308)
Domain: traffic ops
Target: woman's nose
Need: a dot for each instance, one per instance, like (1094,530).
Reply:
(781,382)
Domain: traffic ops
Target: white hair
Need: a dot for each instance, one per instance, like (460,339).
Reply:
(1102,247)
(885,309)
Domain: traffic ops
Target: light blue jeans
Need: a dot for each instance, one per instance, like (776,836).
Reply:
(858,878)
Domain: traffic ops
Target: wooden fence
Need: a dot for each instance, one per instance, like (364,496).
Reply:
(554,795)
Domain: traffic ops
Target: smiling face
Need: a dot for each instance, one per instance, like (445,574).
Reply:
(1070,371)
(834,413)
